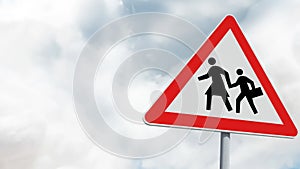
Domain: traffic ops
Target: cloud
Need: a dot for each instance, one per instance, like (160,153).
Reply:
(94,14)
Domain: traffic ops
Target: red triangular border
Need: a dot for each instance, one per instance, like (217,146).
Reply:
(157,115)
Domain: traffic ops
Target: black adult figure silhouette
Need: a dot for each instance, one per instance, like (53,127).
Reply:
(243,81)
(217,88)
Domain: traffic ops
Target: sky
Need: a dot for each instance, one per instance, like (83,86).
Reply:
(41,41)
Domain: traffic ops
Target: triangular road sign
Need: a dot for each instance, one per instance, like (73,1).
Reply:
(157,114)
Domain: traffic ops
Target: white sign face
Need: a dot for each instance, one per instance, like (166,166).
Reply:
(230,57)
(223,88)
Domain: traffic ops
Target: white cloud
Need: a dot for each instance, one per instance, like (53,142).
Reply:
(39,44)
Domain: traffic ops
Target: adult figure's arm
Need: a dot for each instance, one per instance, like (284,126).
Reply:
(206,76)
(227,77)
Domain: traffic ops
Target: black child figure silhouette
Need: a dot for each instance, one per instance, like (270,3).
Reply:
(217,88)
(243,81)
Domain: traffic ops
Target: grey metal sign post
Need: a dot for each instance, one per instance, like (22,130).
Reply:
(224,150)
